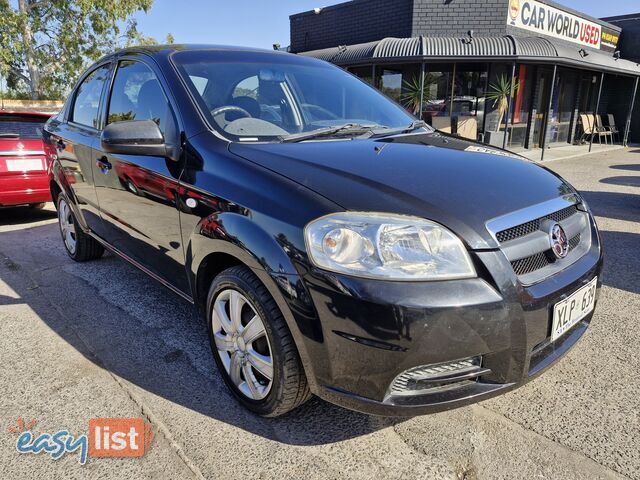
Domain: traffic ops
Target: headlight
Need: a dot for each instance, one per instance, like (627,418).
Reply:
(386,246)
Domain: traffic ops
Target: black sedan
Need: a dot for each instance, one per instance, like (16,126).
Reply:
(334,244)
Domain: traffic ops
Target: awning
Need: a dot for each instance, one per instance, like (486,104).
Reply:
(508,47)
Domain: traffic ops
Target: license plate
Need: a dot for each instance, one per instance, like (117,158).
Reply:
(24,165)
(572,309)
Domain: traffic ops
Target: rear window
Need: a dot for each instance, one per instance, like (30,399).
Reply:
(14,126)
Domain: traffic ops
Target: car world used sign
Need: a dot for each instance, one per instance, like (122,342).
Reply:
(547,20)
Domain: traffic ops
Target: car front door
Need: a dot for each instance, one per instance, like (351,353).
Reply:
(137,194)
(74,140)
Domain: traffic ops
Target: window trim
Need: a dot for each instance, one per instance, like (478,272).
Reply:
(128,57)
(70,111)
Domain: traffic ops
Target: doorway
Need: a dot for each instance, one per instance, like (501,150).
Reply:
(563,105)
(540,104)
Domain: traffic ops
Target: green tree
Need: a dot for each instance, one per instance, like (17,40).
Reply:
(46,44)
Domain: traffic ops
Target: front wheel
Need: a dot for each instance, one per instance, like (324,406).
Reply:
(252,345)
(80,246)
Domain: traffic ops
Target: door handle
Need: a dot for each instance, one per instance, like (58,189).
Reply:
(104,165)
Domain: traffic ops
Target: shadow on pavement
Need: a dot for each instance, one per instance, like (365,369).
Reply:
(631,167)
(22,215)
(617,205)
(628,181)
(622,263)
(157,341)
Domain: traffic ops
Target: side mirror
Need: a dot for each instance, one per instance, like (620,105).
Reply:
(134,137)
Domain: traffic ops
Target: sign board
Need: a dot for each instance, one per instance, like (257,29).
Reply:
(609,39)
(544,19)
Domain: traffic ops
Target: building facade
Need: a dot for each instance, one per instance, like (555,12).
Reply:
(525,74)
(630,49)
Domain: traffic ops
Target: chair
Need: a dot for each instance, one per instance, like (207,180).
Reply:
(602,130)
(612,126)
(589,129)
(468,127)
(442,124)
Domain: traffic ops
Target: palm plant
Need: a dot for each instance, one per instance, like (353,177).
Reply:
(416,91)
(499,92)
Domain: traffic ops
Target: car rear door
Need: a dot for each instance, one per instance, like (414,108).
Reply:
(74,140)
(137,194)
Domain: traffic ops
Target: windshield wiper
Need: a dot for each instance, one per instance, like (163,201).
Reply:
(395,131)
(415,125)
(346,129)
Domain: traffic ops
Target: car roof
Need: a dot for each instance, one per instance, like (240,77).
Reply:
(181,47)
(165,51)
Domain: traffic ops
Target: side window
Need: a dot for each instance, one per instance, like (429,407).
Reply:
(247,88)
(261,99)
(87,101)
(137,95)
(200,83)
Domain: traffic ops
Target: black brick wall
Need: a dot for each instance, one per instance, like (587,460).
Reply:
(629,44)
(349,23)
(362,21)
(630,49)
(457,17)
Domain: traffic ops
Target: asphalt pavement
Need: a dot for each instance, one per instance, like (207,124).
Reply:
(101,339)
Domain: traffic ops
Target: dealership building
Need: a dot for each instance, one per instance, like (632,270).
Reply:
(526,74)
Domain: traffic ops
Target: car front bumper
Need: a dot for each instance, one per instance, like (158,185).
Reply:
(369,331)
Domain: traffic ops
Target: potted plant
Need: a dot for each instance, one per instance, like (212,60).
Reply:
(499,92)
(416,92)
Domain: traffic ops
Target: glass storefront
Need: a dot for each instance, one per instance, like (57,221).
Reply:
(437,86)
(563,104)
(476,100)
(402,84)
(521,110)
(365,73)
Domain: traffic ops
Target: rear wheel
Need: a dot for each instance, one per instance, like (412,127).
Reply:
(252,345)
(80,246)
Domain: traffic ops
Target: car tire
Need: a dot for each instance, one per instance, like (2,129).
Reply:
(78,245)
(37,206)
(237,361)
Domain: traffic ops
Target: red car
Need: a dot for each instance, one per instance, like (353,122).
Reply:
(23,162)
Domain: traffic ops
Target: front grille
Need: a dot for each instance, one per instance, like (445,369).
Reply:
(531,264)
(540,260)
(533,225)
(574,242)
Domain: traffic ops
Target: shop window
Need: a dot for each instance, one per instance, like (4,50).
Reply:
(521,110)
(402,84)
(437,99)
(363,73)
(563,103)
(496,103)
(468,99)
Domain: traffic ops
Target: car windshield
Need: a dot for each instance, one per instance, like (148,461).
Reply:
(253,96)
(23,127)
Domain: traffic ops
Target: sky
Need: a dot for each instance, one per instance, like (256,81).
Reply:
(261,23)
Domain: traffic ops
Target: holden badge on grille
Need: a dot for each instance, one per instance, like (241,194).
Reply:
(559,241)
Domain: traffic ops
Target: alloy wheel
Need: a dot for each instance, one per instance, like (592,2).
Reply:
(67,226)
(242,344)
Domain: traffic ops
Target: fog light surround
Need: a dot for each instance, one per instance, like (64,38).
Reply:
(432,378)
